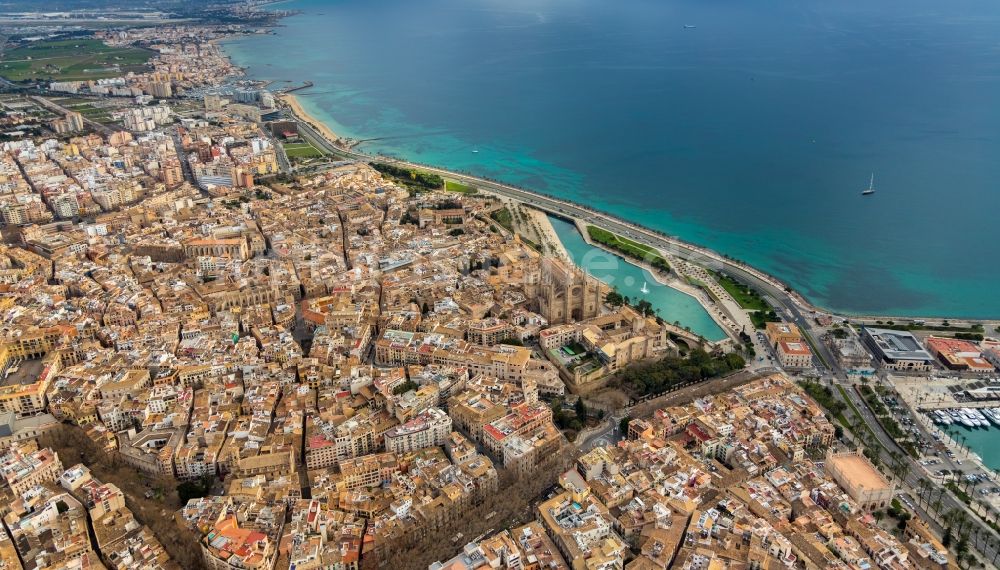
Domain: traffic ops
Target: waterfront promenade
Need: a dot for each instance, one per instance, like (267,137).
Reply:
(790,305)
(787,302)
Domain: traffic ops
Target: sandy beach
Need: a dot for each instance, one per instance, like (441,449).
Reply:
(296,107)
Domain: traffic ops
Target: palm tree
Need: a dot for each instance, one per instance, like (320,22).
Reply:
(921,489)
(931,488)
(962,520)
(933,512)
(936,505)
(858,428)
(893,461)
(904,468)
(945,519)
(976,535)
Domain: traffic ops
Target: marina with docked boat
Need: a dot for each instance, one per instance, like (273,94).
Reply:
(963,415)
(968,417)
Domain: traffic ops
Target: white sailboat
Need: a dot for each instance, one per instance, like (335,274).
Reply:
(871,187)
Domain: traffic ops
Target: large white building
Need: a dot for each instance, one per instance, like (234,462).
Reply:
(897,350)
(429,429)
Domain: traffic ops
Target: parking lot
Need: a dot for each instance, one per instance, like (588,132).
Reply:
(943,458)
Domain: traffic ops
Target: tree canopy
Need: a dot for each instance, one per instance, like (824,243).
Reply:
(653,377)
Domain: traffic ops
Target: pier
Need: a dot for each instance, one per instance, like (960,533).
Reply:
(292,89)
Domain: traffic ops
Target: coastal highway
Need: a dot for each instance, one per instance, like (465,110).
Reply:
(792,306)
(795,307)
(785,301)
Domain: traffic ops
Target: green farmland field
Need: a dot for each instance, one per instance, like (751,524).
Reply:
(70,60)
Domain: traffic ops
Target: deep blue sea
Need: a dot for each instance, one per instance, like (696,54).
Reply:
(752,132)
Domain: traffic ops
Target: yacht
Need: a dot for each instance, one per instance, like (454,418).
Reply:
(645,288)
(991,415)
(967,413)
(871,187)
(978,414)
(960,417)
(977,419)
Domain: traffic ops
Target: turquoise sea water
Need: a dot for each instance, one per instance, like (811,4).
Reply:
(982,442)
(629,279)
(752,133)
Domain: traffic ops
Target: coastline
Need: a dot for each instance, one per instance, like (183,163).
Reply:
(296,107)
(674,244)
(721,317)
(541,218)
(671,246)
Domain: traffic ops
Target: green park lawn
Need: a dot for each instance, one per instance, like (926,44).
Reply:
(747,298)
(452,186)
(302,151)
(628,247)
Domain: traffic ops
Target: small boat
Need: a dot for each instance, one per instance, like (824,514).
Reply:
(645,288)
(871,187)
(689,26)
(475,151)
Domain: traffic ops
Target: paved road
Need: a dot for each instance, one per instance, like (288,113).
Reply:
(798,308)
(916,472)
(607,435)
(60,109)
(786,302)
(783,300)
(283,162)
